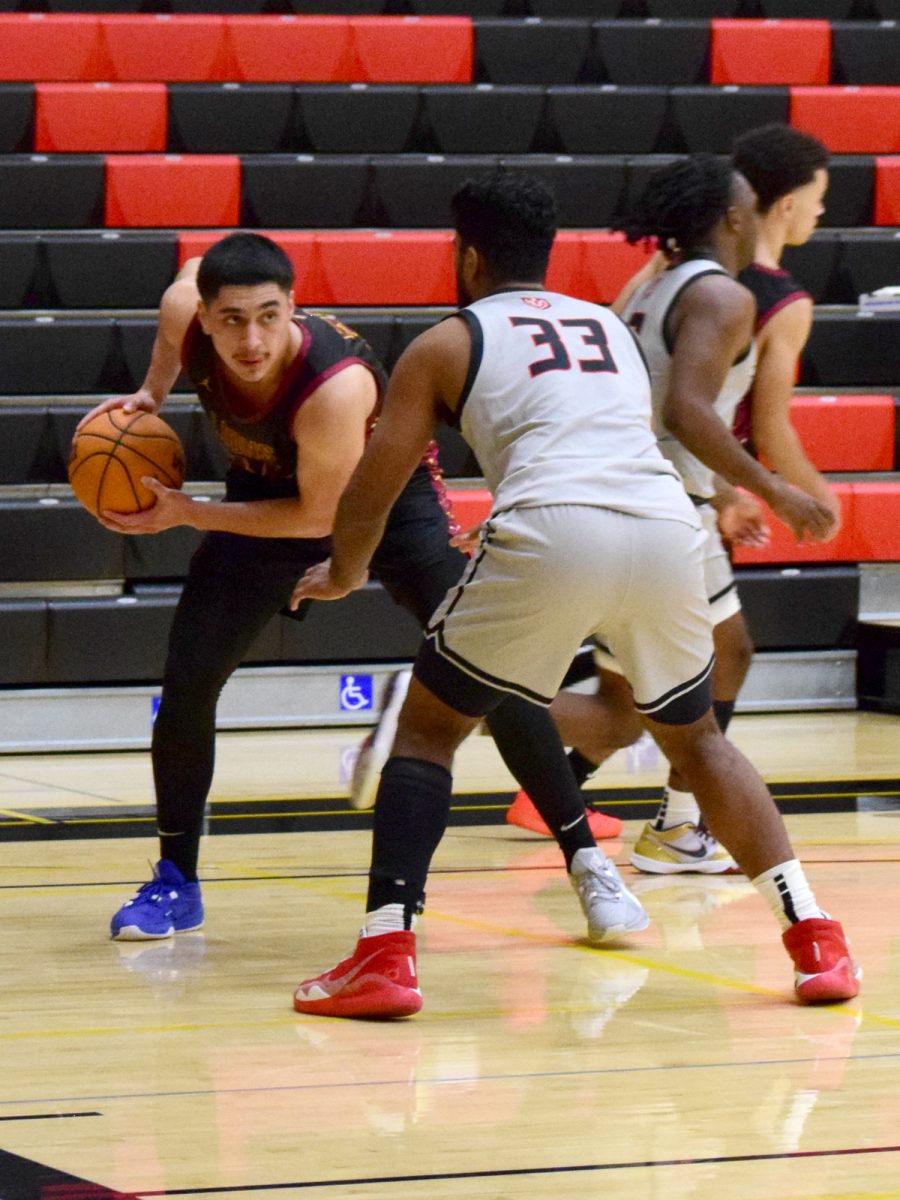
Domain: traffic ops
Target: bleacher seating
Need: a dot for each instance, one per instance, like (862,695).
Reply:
(131,138)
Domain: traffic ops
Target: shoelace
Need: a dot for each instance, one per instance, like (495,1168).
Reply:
(603,880)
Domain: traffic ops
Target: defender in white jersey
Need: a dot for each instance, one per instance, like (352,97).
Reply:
(695,325)
(589,524)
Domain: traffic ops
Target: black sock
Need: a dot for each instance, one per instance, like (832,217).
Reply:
(723,711)
(182,850)
(411,814)
(529,745)
(582,767)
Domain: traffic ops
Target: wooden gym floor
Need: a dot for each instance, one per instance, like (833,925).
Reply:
(674,1066)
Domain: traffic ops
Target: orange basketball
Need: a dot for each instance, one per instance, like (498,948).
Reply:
(111,453)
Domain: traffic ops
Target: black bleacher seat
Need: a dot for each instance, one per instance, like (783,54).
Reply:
(865,52)
(637,172)
(407,327)
(851,186)
(59,191)
(815,264)
(231,118)
(284,191)
(108,640)
(483,119)
(23,643)
(536,51)
(453,8)
(365,627)
(708,119)
(16,117)
(786,609)
(55,539)
(136,337)
(694,9)
(829,10)
(305,8)
(871,260)
(238,7)
(22,429)
(88,6)
(355,118)
(376,327)
(413,191)
(165,556)
(47,355)
(18,265)
(652,53)
(110,269)
(607,119)
(588,188)
(849,349)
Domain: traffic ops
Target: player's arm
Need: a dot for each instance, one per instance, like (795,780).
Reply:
(329,429)
(648,271)
(427,380)
(177,309)
(710,329)
(781,342)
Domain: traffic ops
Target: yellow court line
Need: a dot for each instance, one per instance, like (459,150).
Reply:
(11,812)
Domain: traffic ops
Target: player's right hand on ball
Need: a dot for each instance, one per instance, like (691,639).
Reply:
(139,401)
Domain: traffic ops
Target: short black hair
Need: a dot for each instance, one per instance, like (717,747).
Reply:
(681,202)
(243,259)
(776,159)
(511,220)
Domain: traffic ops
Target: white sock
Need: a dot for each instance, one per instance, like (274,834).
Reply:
(676,808)
(786,890)
(387,919)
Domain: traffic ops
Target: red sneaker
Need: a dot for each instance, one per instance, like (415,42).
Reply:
(377,980)
(824,970)
(523,813)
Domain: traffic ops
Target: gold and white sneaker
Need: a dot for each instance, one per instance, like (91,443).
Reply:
(682,849)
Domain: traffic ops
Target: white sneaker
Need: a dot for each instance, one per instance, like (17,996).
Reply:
(376,747)
(610,908)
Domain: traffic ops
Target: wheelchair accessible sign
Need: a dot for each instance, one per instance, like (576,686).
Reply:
(356,693)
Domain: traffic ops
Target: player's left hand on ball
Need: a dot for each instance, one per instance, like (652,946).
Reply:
(170,509)
(317,584)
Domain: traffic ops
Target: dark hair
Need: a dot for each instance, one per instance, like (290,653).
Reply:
(243,259)
(511,220)
(681,202)
(776,159)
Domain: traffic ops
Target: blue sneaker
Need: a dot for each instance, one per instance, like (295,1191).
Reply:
(164,906)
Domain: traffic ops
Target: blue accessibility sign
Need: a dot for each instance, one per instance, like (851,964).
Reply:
(356,693)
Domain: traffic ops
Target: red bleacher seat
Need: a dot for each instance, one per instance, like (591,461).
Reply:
(292,49)
(887,191)
(51,46)
(414,49)
(770,51)
(470,506)
(846,433)
(593,264)
(171,190)
(385,267)
(100,116)
(849,120)
(157,47)
(300,248)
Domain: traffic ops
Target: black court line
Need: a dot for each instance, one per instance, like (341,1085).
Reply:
(50,1116)
(518,1172)
(327,814)
(454,1080)
(24,1179)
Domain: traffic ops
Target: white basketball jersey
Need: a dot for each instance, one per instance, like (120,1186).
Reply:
(646,312)
(557,408)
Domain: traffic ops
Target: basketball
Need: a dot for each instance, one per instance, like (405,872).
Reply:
(111,454)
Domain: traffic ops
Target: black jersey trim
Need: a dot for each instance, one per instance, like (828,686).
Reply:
(462,685)
(477,335)
(664,324)
(684,704)
(722,592)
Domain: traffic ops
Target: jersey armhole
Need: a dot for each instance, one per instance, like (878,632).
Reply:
(477,336)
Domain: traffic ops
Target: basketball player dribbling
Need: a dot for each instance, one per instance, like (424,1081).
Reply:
(590,524)
(292,397)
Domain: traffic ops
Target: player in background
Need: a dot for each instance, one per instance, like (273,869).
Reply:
(590,533)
